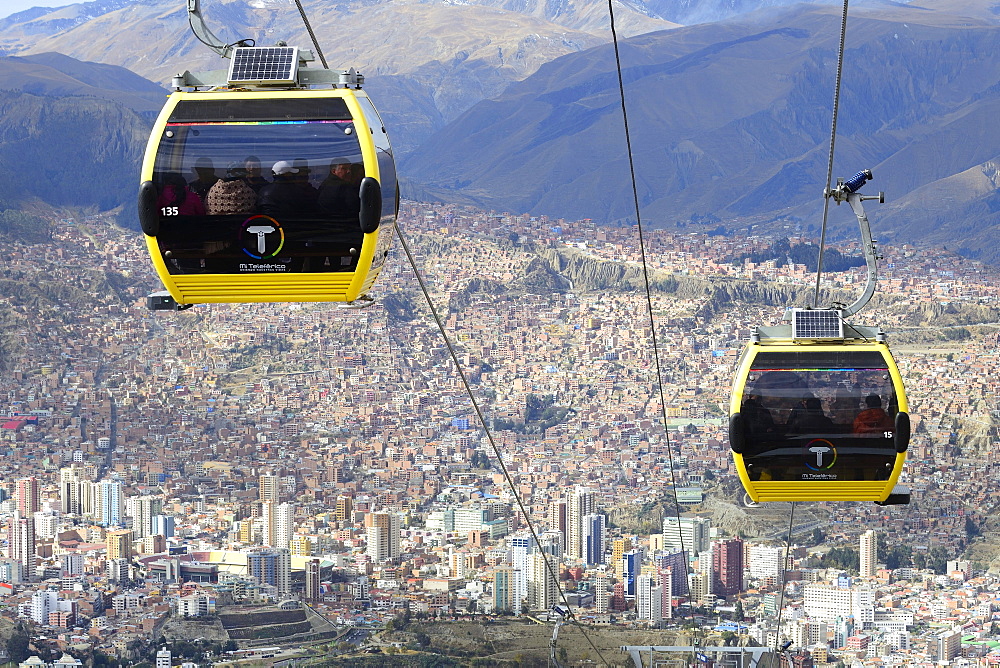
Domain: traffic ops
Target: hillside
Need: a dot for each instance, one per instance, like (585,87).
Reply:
(84,151)
(731,122)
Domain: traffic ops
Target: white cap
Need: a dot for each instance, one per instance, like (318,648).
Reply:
(284,167)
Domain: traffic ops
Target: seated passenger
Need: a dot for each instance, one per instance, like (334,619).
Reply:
(873,421)
(206,177)
(309,191)
(758,419)
(254,178)
(283,197)
(338,196)
(809,418)
(232,194)
(175,193)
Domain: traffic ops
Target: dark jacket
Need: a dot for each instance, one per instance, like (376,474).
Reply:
(339,199)
(283,197)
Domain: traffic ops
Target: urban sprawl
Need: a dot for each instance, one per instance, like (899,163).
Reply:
(161,465)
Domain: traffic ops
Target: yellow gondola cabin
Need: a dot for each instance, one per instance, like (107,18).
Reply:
(296,182)
(819,416)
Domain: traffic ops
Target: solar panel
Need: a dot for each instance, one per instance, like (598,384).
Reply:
(264,65)
(817,324)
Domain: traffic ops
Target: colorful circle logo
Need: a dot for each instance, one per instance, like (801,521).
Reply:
(261,237)
(819,454)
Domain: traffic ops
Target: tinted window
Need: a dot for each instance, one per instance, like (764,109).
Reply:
(285,109)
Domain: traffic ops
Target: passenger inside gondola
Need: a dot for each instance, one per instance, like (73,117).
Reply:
(205,177)
(873,421)
(283,197)
(338,194)
(809,418)
(309,191)
(231,194)
(254,177)
(176,198)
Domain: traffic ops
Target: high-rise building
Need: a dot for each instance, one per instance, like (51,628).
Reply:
(271,566)
(313,576)
(21,532)
(868,554)
(47,523)
(543,583)
(699,586)
(284,524)
(70,489)
(142,510)
(112,503)
(665,580)
(117,570)
(12,570)
(42,603)
(163,658)
(72,563)
(120,544)
(269,517)
(727,567)
(945,646)
(154,544)
(580,504)
(163,525)
(269,488)
(678,565)
(765,562)
(557,517)
(90,499)
(827,602)
(504,597)
(594,532)
(518,551)
(300,546)
(601,594)
(244,530)
(382,533)
(649,599)
(631,567)
(688,533)
(27,497)
(619,546)
(344,509)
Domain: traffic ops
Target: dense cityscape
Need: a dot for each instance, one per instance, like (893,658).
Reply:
(302,473)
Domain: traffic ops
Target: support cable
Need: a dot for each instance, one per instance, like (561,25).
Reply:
(645,278)
(312,35)
(833,142)
(781,580)
(489,436)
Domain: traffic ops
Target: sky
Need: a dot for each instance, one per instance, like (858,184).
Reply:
(8,7)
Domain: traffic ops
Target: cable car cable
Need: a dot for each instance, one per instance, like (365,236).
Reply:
(645,277)
(781,581)
(489,436)
(833,142)
(312,35)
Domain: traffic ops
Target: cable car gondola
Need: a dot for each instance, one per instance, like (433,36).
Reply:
(818,409)
(237,200)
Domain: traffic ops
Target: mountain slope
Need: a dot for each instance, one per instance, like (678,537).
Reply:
(731,120)
(84,151)
(56,75)
(452,54)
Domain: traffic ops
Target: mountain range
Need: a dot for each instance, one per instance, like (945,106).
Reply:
(514,105)
(732,121)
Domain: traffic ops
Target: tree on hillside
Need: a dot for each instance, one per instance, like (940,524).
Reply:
(17,644)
